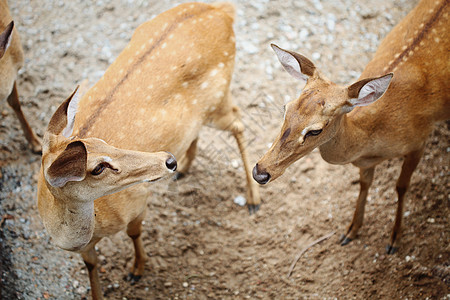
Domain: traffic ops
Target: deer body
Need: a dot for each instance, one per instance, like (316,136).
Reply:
(11,60)
(350,125)
(174,76)
(171,79)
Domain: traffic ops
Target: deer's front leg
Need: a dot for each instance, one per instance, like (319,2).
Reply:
(134,231)
(365,181)
(408,167)
(90,260)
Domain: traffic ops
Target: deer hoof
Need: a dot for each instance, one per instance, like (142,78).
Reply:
(253,208)
(344,240)
(133,278)
(391,249)
(178,176)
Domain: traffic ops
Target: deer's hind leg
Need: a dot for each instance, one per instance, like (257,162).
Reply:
(185,162)
(33,140)
(229,119)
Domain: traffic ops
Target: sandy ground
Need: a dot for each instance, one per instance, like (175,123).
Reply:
(200,243)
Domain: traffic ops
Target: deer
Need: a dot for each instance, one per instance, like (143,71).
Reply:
(11,60)
(171,79)
(387,113)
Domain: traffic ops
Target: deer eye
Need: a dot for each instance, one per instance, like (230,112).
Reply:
(313,132)
(99,169)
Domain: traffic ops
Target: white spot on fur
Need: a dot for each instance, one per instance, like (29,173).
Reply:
(185,84)
(194,101)
(437,40)
(164,45)
(213,72)
(204,85)
(219,94)
(221,65)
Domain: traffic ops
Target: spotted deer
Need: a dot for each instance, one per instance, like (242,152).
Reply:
(388,113)
(171,79)
(11,60)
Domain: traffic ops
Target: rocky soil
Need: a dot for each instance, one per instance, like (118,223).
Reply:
(201,244)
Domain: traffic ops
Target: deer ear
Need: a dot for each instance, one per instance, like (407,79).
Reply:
(295,64)
(5,38)
(63,119)
(70,165)
(367,91)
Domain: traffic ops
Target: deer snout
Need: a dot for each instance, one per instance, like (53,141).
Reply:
(260,176)
(171,163)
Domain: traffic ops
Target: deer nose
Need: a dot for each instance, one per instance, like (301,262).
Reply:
(261,177)
(171,163)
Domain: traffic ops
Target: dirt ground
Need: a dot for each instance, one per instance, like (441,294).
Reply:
(201,245)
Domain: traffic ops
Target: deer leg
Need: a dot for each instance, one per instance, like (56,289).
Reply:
(365,181)
(231,121)
(90,260)
(186,161)
(409,165)
(13,101)
(134,231)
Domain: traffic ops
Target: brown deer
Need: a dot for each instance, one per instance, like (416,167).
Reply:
(11,60)
(171,79)
(409,76)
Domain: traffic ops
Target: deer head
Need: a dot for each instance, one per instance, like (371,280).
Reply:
(315,117)
(89,168)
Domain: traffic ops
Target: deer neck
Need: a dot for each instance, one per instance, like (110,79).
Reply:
(342,148)
(70,222)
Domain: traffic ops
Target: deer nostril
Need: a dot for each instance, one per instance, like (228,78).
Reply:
(260,177)
(171,163)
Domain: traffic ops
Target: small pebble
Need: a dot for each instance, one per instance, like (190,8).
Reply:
(185,284)
(240,200)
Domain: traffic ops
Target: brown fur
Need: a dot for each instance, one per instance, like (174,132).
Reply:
(397,125)
(171,79)
(11,60)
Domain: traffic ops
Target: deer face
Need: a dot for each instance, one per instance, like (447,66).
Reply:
(315,117)
(86,169)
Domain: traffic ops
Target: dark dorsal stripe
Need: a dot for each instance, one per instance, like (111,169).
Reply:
(108,98)
(420,36)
